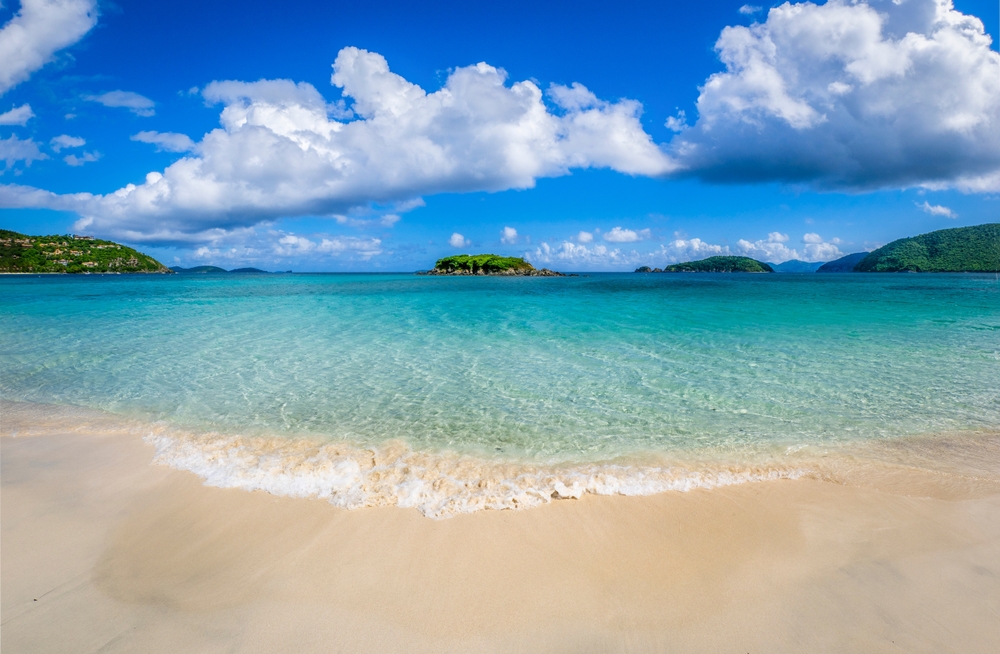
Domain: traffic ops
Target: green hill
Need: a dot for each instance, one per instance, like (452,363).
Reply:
(962,249)
(721,265)
(488,264)
(20,253)
(843,264)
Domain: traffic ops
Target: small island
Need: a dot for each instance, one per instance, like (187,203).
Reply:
(488,264)
(715,265)
(20,253)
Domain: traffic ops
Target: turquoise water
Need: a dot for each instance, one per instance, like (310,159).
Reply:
(539,372)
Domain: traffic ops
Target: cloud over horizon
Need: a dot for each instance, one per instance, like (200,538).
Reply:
(851,96)
(283,150)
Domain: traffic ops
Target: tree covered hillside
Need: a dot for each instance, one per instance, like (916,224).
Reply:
(962,249)
(70,254)
(721,264)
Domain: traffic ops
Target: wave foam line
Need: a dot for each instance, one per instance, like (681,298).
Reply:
(439,486)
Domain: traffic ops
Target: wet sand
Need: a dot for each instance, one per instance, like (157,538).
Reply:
(103,551)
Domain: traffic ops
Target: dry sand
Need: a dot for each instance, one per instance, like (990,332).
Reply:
(104,552)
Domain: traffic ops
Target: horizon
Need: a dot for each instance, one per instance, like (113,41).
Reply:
(584,139)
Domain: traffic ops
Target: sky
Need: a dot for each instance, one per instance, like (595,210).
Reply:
(328,136)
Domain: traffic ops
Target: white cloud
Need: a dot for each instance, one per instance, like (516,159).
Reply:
(681,250)
(13,150)
(677,123)
(774,250)
(584,237)
(936,209)
(619,235)
(137,104)
(508,235)
(166,141)
(17,116)
(389,219)
(572,256)
(41,28)
(86,157)
(746,10)
(66,141)
(458,241)
(280,153)
(857,95)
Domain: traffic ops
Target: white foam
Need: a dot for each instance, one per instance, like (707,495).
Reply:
(437,485)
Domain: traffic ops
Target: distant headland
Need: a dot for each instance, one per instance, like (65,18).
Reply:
(960,249)
(488,264)
(20,253)
(714,265)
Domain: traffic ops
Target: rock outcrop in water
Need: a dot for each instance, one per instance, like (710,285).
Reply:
(488,264)
(20,253)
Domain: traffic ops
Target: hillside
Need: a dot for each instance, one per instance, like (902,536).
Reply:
(843,264)
(20,253)
(962,249)
(795,266)
(488,264)
(721,265)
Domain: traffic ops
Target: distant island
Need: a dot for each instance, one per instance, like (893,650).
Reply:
(20,253)
(203,270)
(961,249)
(488,264)
(714,265)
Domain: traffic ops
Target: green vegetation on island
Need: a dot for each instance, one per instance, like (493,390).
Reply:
(961,249)
(715,265)
(20,253)
(488,264)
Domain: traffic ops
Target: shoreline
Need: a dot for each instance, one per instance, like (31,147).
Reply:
(126,556)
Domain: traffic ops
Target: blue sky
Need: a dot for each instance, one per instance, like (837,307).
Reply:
(600,136)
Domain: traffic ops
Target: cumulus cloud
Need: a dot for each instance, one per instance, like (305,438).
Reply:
(508,235)
(41,28)
(773,249)
(746,10)
(166,141)
(680,250)
(458,241)
(281,149)
(13,150)
(17,116)
(584,237)
(619,235)
(851,95)
(66,141)
(292,245)
(582,257)
(85,157)
(936,209)
(137,104)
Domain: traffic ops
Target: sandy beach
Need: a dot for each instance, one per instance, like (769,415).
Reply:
(103,551)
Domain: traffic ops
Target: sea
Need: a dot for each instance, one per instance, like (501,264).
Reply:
(458,394)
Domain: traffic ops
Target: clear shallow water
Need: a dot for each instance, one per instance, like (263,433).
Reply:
(275,381)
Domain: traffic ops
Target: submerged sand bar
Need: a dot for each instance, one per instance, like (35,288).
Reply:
(125,556)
